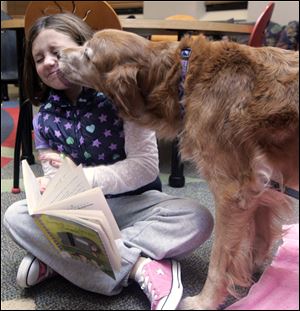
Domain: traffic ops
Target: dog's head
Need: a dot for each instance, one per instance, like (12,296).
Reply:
(109,62)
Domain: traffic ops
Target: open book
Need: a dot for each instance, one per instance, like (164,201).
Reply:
(74,217)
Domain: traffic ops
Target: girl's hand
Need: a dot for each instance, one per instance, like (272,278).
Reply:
(43,182)
(55,159)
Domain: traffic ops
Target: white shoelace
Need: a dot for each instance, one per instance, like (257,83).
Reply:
(146,286)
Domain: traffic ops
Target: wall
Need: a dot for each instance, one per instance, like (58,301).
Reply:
(4,6)
(284,11)
(162,9)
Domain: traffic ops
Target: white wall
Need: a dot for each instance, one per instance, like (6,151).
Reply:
(4,6)
(284,11)
(163,9)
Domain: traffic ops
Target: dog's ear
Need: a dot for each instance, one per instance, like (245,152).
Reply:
(123,84)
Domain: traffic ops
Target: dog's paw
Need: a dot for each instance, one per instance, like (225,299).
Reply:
(189,303)
(195,303)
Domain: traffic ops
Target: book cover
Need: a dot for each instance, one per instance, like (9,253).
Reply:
(74,217)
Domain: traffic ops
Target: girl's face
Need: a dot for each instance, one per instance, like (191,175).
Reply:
(45,50)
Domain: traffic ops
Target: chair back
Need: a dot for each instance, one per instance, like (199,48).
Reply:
(97,14)
(258,33)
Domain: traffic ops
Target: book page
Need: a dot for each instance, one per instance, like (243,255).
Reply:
(69,180)
(90,200)
(32,187)
(79,241)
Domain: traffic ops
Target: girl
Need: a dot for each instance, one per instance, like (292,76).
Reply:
(118,156)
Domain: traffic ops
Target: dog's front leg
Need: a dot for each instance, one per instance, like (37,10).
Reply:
(231,256)
(214,289)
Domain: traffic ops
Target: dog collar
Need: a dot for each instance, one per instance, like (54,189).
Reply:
(184,55)
(286,190)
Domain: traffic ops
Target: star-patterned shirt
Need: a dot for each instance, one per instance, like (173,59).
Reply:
(124,156)
(90,132)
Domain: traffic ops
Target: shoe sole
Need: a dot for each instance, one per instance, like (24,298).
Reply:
(175,294)
(23,271)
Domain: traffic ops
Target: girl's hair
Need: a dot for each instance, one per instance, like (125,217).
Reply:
(66,23)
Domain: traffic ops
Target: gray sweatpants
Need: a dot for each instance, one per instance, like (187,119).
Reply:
(152,224)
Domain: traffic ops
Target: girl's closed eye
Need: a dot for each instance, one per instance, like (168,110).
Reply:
(38,59)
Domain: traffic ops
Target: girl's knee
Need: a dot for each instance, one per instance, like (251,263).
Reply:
(202,221)
(206,223)
(12,214)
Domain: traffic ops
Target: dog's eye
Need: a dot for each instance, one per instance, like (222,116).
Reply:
(86,55)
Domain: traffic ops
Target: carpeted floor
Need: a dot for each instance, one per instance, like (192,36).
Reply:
(59,294)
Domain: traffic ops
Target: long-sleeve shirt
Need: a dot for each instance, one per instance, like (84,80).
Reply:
(119,160)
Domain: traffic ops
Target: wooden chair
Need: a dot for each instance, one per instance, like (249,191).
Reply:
(258,33)
(98,15)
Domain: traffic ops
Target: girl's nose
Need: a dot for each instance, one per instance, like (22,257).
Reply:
(50,61)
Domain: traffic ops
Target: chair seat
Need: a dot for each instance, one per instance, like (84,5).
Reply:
(9,77)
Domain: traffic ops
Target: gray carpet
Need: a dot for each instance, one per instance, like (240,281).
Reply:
(59,294)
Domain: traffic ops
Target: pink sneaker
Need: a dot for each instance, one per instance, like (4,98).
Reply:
(32,271)
(161,282)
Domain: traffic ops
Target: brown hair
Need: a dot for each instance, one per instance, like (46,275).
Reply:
(66,23)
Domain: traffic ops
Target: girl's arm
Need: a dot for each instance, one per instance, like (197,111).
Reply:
(137,170)
(46,155)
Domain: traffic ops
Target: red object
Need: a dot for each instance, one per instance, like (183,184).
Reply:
(5,161)
(258,32)
(15,190)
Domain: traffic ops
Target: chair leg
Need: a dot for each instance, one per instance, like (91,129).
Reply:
(17,151)
(27,134)
(4,92)
(176,179)
(24,140)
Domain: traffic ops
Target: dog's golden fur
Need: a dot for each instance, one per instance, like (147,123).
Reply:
(240,128)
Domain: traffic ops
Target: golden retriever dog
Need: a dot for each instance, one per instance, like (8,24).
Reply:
(239,124)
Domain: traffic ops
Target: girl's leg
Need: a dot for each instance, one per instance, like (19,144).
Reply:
(160,225)
(153,224)
(26,233)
